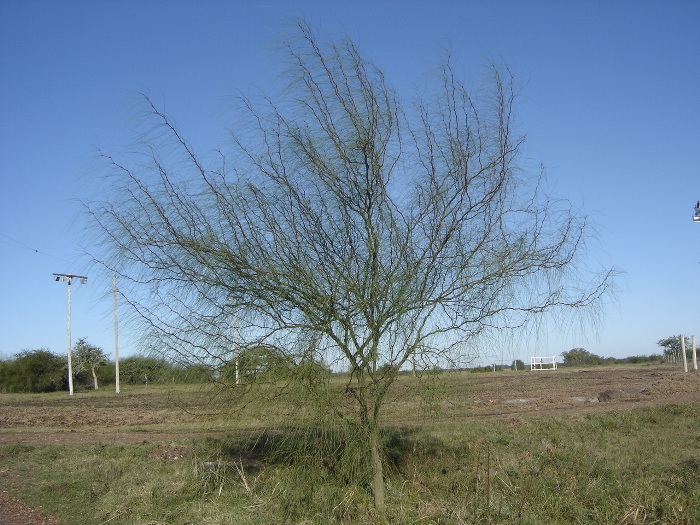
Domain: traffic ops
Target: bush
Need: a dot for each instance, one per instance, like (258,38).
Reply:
(106,374)
(193,374)
(518,365)
(581,357)
(144,370)
(34,371)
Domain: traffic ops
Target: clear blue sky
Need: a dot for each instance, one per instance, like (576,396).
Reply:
(610,102)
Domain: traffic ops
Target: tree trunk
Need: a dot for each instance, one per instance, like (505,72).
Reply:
(94,376)
(377,469)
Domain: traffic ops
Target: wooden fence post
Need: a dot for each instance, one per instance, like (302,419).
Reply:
(685,358)
(695,356)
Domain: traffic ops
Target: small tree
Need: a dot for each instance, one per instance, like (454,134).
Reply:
(347,225)
(580,357)
(673,350)
(89,356)
(518,365)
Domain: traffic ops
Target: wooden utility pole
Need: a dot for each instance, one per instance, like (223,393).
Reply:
(68,278)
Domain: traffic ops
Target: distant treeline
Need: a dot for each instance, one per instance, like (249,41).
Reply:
(578,357)
(582,357)
(43,371)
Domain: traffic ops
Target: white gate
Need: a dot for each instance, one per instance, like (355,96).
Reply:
(543,363)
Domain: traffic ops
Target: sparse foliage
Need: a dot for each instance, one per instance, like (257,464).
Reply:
(344,225)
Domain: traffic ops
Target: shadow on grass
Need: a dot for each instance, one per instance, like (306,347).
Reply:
(340,453)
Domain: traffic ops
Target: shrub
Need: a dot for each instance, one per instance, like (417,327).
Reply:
(34,371)
(144,370)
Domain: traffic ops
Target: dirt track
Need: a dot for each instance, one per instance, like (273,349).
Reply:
(138,417)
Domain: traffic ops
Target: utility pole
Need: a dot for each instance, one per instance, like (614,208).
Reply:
(116,334)
(68,278)
(236,345)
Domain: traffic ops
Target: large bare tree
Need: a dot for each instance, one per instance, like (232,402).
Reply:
(345,223)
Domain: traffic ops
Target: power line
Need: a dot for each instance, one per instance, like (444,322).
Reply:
(6,239)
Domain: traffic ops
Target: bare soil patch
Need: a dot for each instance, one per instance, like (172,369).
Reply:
(161,418)
(103,417)
(565,391)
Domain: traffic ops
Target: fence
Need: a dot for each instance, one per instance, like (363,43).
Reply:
(543,363)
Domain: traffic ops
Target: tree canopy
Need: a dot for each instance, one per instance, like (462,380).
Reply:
(342,223)
(581,357)
(88,356)
(673,348)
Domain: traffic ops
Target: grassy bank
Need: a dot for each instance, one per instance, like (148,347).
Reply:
(628,466)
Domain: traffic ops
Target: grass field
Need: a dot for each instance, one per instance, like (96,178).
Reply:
(506,447)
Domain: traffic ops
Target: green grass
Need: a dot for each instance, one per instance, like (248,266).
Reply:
(631,466)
